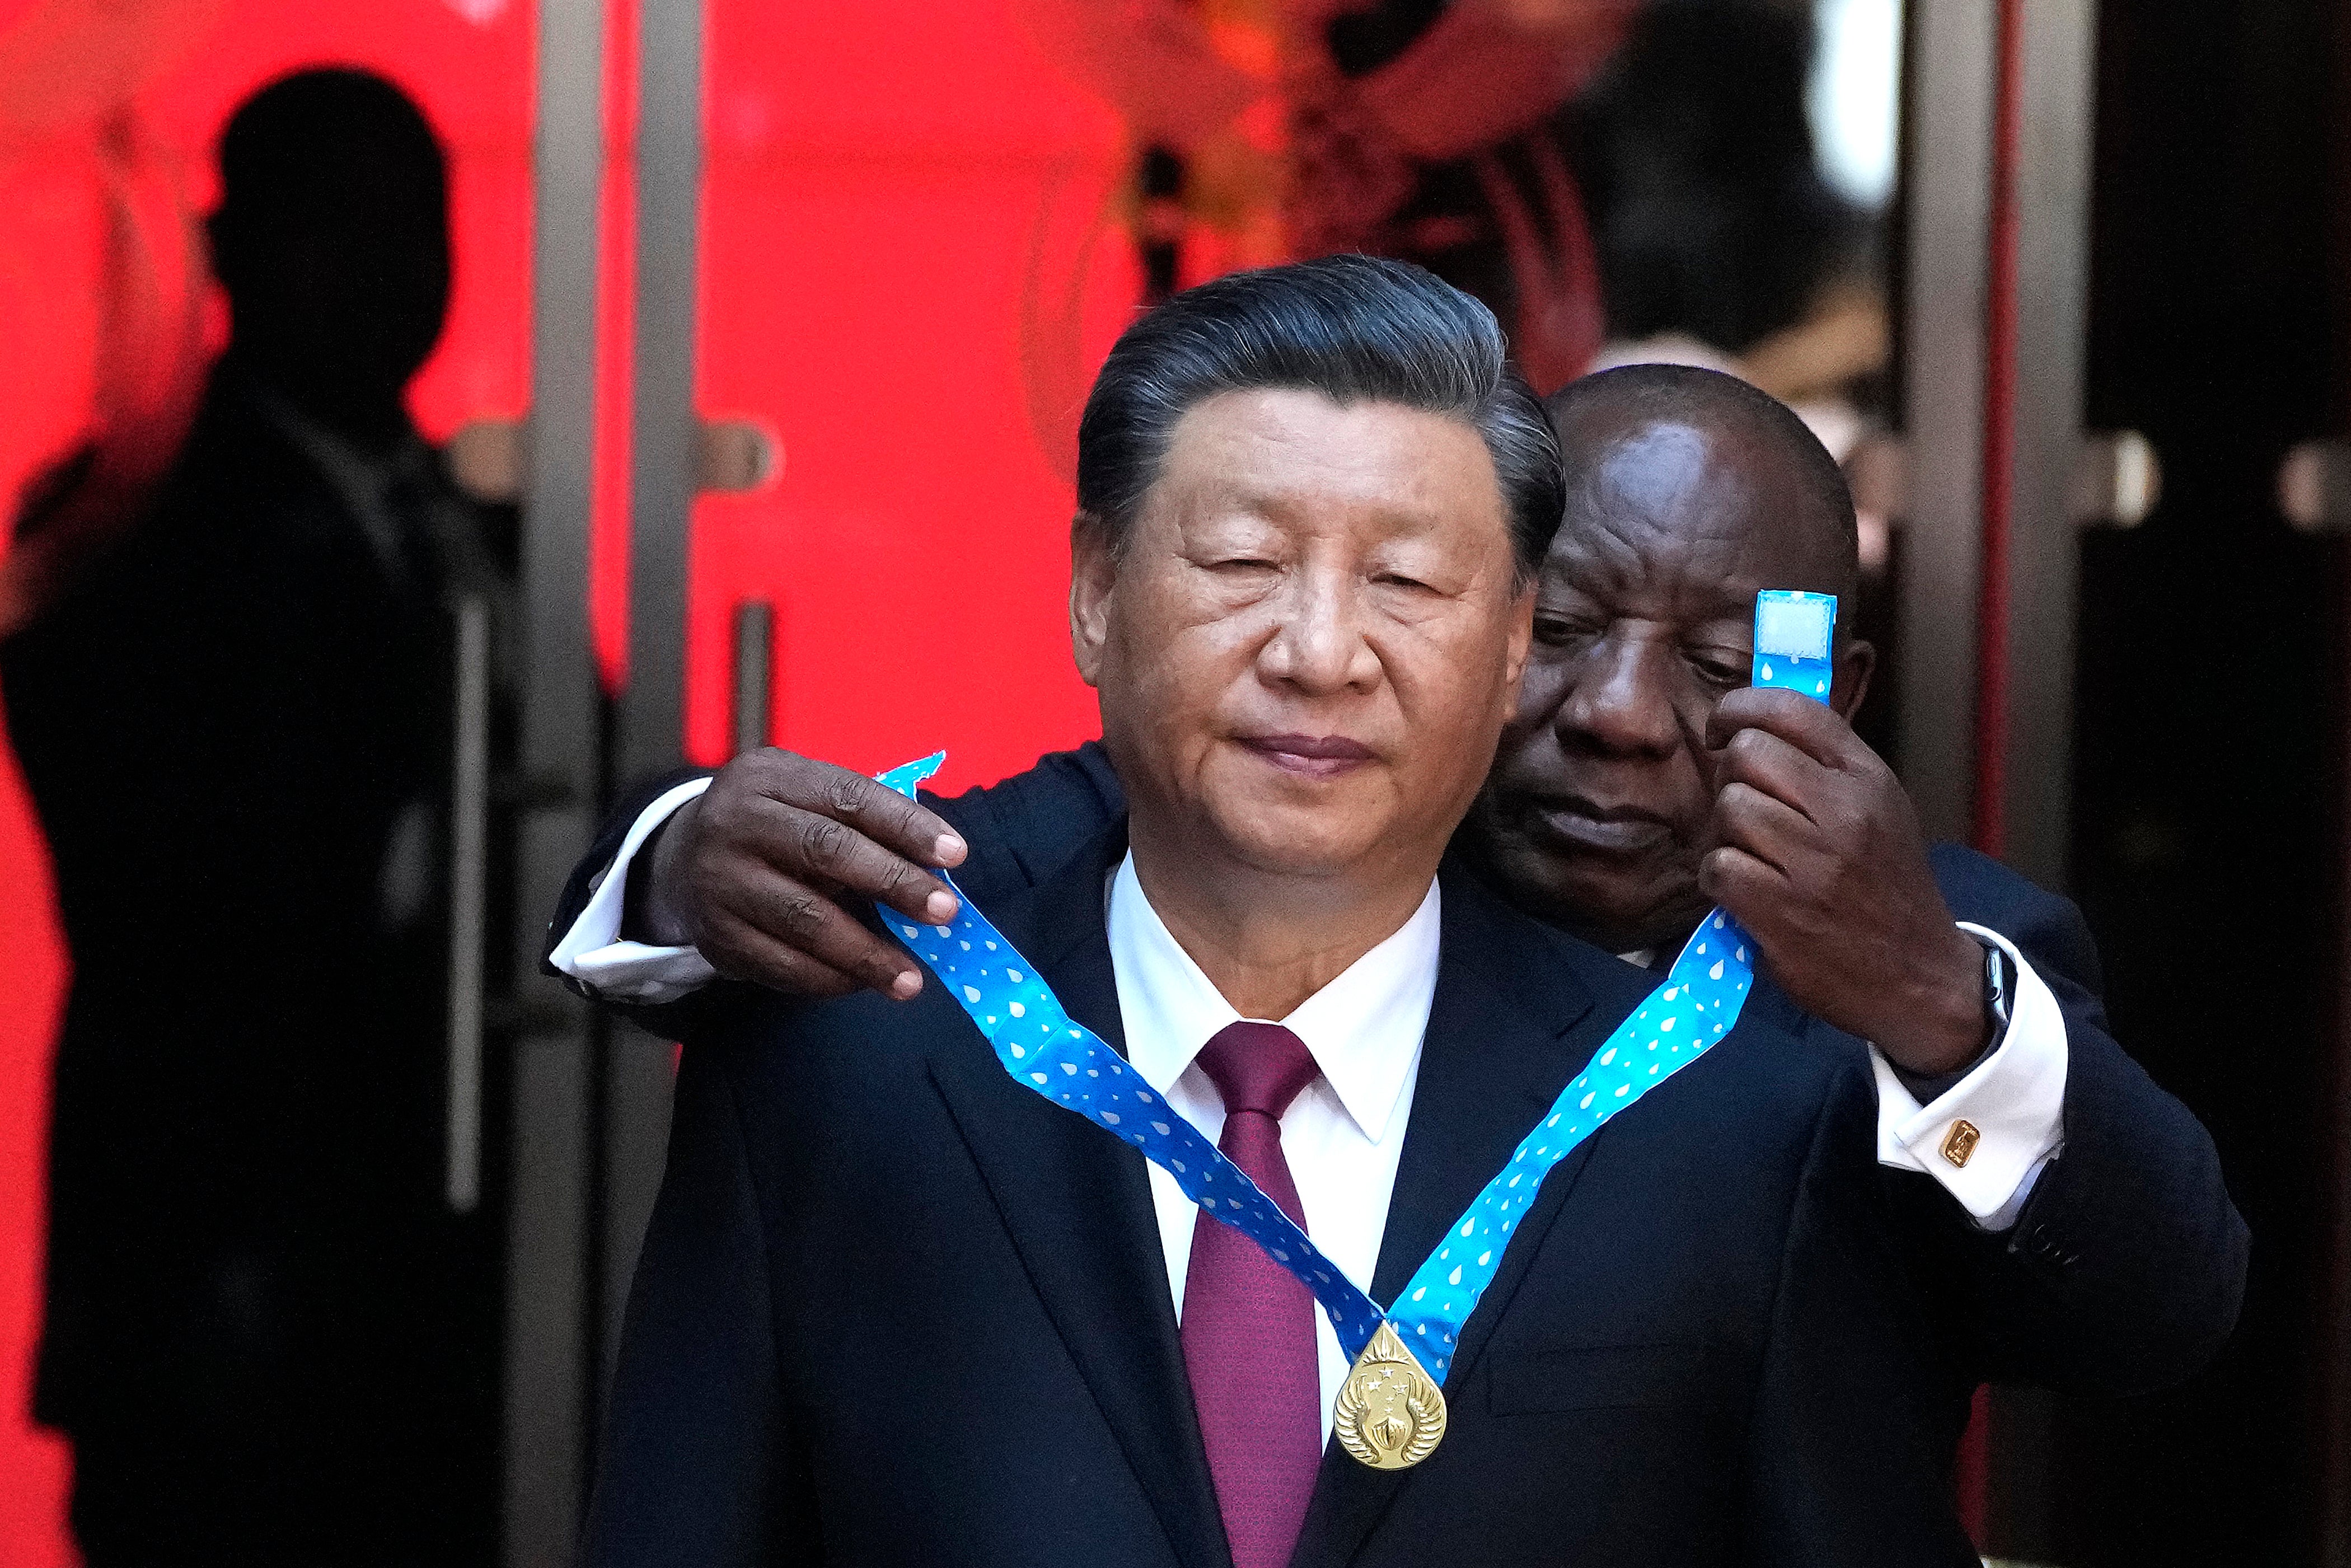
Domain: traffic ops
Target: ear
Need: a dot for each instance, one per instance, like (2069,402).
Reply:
(1522,637)
(1856,662)
(1093,574)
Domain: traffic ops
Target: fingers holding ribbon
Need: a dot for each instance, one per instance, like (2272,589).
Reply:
(1818,852)
(754,873)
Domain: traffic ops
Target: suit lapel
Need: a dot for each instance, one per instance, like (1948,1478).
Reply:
(1077,1206)
(1491,1062)
(1767,1003)
(1503,1040)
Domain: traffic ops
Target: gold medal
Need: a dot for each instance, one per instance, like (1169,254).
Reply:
(1389,1413)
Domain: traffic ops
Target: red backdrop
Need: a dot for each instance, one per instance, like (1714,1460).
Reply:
(909,272)
(108,109)
(906,278)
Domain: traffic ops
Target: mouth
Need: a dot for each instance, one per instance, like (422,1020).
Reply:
(1309,756)
(1571,822)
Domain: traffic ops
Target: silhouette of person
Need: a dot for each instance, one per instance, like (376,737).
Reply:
(261,1321)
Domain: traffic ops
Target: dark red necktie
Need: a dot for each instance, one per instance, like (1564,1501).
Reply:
(1248,1325)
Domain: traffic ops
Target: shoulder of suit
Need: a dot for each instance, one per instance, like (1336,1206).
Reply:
(776,1046)
(1962,869)
(1981,889)
(1487,929)
(1794,1066)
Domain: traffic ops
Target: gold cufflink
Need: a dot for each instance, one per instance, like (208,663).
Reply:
(1960,1142)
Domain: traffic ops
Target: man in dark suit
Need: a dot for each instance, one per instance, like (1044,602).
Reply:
(2067,1220)
(896,1306)
(236,729)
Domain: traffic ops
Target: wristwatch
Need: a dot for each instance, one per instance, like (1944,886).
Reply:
(1999,985)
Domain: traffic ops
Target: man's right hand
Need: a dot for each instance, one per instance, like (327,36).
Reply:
(752,872)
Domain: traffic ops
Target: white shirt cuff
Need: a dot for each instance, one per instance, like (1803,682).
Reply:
(592,953)
(1987,1137)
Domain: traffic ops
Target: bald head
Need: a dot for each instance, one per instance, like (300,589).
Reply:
(1798,502)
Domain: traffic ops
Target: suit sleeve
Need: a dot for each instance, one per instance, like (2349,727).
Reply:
(2126,1268)
(1021,830)
(691,1467)
(1852,1386)
(668,1020)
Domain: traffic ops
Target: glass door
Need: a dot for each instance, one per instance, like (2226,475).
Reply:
(111,122)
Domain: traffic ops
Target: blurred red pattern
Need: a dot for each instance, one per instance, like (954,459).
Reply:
(909,272)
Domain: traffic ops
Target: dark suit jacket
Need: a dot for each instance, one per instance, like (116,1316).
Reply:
(252,1278)
(894,1308)
(2124,1271)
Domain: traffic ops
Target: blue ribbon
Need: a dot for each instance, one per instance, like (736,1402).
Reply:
(1047,1051)
(1794,642)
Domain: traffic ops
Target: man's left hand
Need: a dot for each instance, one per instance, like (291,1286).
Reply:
(1818,853)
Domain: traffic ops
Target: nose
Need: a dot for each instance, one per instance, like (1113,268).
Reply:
(1319,647)
(1619,701)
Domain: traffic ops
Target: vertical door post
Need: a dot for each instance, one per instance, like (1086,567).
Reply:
(2054,42)
(546,1327)
(663,472)
(1998,126)
(1948,183)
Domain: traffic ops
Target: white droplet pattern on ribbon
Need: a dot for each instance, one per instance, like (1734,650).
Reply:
(1445,1292)
(1032,1035)
(1024,1022)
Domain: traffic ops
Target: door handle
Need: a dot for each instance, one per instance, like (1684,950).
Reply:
(490,458)
(2117,478)
(2313,486)
(469,818)
(755,644)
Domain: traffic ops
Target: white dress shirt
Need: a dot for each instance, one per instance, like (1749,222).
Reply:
(2015,1098)
(1341,1137)
(592,952)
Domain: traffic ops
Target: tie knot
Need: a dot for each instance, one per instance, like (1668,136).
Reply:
(1258,1067)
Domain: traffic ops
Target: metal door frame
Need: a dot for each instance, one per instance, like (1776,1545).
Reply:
(545,1391)
(1998,116)
(591,1111)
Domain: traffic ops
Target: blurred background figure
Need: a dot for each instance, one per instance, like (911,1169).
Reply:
(1722,243)
(1270,129)
(235,724)
(1619,181)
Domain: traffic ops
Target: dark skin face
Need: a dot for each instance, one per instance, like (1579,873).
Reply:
(1642,782)
(1597,811)
(337,308)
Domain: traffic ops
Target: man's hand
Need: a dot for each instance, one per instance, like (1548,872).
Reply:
(754,872)
(1818,855)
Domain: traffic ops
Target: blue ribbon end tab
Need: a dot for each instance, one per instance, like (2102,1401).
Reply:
(906,776)
(1796,641)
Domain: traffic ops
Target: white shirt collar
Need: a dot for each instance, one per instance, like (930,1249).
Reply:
(1363,1029)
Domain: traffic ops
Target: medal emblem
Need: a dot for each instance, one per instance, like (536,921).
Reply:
(1389,1413)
